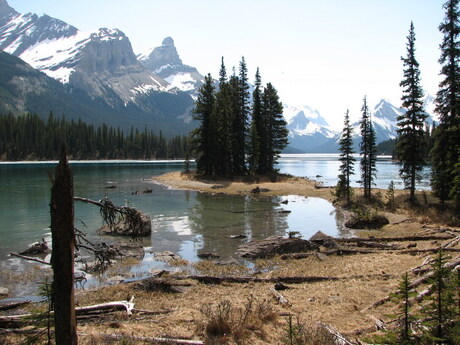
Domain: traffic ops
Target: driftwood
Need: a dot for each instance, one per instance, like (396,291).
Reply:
(394,239)
(143,339)
(279,297)
(106,307)
(423,279)
(30,259)
(339,338)
(13,305)
(287,280)
(16,321)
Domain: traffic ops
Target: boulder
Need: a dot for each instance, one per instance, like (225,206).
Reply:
(166,256)
(375,221)
(4,292)
(322,239)
(273,245)
(123,229)
(37,248)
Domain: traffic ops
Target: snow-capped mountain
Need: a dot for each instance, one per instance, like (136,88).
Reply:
(165,62)
(308,131)
(307,128)
(101,63)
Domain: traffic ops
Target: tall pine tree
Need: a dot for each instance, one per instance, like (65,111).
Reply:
(256,126)
(203,136)
(411,141)
(346,159)
(446,150)
(275,132)
(368,150)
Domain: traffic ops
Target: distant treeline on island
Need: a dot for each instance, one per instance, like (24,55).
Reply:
(29,137)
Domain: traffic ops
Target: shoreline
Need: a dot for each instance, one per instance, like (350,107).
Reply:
(285,185)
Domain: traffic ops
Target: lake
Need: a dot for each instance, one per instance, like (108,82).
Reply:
(184,222)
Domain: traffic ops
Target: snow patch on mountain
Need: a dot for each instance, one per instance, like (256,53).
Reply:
(182,81)
(57,57)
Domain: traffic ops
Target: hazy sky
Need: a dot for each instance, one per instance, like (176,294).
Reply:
(326,54)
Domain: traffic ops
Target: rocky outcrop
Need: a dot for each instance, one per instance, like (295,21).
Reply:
(273,245)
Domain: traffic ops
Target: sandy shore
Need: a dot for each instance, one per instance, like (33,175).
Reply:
(283,186)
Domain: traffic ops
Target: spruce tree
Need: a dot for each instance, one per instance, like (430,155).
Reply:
(446,150)
(346,158)
(203,136)
(368,150)
(276,132)
(256,126)
(410,147)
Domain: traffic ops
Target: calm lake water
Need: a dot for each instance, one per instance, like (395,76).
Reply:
(184,222)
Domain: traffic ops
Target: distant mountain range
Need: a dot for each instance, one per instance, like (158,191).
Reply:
(47,64)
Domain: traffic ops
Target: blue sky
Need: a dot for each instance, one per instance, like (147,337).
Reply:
(325,54)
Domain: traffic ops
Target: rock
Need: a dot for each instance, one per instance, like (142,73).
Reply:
(260,190)
(128,250)
(122,229)
(228,262)
(157,284)
(166,256)
(208,256)
(237,236)
(115,280)
(370,222)
(4,292)
(322,239)
(321,256)
(273,245)
(37,248)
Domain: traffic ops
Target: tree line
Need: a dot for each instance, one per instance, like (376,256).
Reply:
(415,144)
(237,134)
(29,137)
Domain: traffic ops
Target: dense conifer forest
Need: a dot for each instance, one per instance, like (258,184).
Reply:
(29,137)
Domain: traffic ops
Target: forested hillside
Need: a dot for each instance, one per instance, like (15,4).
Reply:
(31,138)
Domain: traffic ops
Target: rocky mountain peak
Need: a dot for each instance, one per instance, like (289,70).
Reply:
(165,55)
(6,10)
(168,42)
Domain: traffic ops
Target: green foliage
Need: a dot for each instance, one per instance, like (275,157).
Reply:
(411,124)
(390,196)
(29,137)
(442,311)
(226,142)
(446,150)
(347,160)
(368,150)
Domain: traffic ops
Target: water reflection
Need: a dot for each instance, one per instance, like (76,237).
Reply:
(217,217)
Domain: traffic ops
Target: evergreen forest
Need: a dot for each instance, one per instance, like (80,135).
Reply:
(238,134)
(29,137)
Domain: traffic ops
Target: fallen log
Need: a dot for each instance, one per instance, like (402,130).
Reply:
(109,306)
(339,338)
(13,305)
(416,283)
(30,259)
(287,280)
(428,250)
(143,339)
(395,239)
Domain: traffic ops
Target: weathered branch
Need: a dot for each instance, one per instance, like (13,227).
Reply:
(13,305)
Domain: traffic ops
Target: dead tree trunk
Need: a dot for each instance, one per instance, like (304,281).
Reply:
(62,259)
